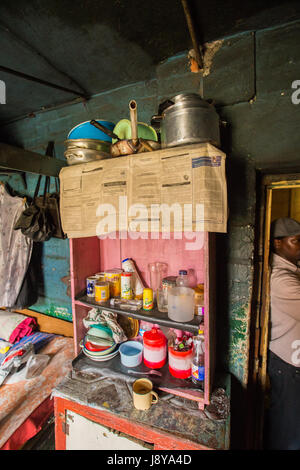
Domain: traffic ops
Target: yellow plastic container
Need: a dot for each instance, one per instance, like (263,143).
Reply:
(147,299)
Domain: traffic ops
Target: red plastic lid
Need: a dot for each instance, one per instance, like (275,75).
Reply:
(180,353)
(154,337)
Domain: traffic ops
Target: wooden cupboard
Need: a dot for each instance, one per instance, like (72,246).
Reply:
(90,255)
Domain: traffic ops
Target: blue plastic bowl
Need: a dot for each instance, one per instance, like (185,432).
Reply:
(85,130)
(131,353)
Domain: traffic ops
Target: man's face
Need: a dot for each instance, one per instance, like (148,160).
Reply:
(288,248)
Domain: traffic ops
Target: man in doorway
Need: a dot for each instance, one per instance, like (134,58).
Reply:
(283,420)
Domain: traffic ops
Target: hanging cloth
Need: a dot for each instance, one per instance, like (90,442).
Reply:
(15,248)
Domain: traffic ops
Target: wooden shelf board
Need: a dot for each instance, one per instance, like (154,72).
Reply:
(154,316)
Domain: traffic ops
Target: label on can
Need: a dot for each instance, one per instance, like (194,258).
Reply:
(90,286)
(148,299)
(198,372)
(126,286)
(199,310)
(113,276)
(101,291)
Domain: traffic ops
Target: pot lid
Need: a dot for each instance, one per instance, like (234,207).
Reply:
(183,97)
(154,336)
(170,280)
(186,100)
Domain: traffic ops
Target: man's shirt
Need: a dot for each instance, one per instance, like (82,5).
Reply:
(285,310)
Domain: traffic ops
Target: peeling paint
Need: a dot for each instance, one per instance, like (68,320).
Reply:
(59,312)
(239,342)
(210,49)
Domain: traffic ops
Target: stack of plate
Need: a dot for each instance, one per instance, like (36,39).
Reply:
(99,345)
(101,355)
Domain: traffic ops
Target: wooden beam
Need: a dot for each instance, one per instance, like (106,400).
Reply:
(15,158)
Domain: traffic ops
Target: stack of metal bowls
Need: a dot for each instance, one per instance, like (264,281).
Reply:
(86,143)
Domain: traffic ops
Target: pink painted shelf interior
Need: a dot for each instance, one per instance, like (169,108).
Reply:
(91,255)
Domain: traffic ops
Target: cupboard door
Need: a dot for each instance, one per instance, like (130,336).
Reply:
(84,434)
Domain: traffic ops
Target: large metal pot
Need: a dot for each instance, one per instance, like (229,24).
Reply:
(85,150)
(189,120)
(92,144)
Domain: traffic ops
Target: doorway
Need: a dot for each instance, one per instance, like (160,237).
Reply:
(280,197)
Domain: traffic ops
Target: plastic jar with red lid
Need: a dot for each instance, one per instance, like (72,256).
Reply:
(155,348)
(180,363)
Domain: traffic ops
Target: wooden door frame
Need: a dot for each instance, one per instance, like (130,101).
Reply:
(269,183)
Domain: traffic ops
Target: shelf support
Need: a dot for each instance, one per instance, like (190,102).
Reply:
(15,158)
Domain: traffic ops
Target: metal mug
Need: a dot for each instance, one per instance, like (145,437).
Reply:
(143,395)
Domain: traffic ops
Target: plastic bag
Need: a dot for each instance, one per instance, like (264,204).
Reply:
(35,365)
(35,223)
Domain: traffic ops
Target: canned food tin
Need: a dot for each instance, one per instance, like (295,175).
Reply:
(148,299)
(126,286)
(90,285)
(113,277)
(199,300)
(101,291)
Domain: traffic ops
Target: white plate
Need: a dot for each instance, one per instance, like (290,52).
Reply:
(105,352)
(101,358)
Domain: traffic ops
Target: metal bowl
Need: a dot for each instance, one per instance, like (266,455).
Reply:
(82,155)
(92,144)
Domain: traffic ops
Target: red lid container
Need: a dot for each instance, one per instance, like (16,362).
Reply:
(155,348)
(154,337)
(180,363)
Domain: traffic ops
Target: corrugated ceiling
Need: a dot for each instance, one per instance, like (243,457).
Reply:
(94,45)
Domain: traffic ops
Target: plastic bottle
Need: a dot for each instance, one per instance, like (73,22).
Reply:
(182,280)
(198,371)
(148,299)
(138,286)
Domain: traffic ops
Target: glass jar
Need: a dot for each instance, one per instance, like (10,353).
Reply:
(167,284)
(162,300)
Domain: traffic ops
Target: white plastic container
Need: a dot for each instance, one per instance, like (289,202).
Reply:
(181,304)
(126,286)
(128,266)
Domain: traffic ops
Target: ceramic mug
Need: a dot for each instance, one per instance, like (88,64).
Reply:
(143,395)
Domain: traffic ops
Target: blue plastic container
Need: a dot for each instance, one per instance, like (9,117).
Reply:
(131,353)
(85,130)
